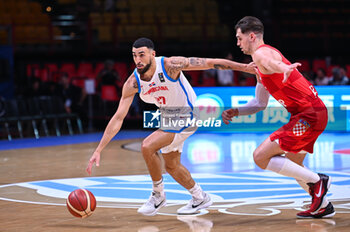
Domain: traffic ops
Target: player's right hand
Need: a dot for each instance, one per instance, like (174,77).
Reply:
(287,73)
(227,115)
(95,158)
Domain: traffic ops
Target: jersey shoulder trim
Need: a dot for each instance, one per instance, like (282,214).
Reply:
(138,80)
(164,71)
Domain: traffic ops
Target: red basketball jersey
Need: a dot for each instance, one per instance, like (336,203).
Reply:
(297,94)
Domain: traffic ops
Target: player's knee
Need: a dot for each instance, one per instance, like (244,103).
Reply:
(146,148)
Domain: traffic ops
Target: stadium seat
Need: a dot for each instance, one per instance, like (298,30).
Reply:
(95,19)
(209,82)
(109,93)
(121,5)
(33,70)
(348,70)
(122,18)
(79,82)
(53,71)
(305,65)
(53,111)
(85,69)
(110,100)
(122,70)
(318,63)
(104,33)
(148,17)
(195,77)
(98,68)
(44,75)
(68,68)
(330,69)
(250,81)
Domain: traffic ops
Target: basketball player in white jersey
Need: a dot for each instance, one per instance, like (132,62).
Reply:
(159,80)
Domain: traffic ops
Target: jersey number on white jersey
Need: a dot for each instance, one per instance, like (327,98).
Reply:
(161,100)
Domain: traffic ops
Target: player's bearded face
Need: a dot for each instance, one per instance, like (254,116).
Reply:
(145,67)
(143,58)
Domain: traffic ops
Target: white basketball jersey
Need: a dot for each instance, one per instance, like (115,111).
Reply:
(173,97)
(164,91)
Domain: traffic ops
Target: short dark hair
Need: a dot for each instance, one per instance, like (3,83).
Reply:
(143,42)
(250,24)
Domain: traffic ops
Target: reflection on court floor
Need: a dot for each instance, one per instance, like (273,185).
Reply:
(210,152)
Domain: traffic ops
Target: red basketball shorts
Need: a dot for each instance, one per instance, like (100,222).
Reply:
(302,131)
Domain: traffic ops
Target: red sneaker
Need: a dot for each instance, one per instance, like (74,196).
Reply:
(317,191)
(325,212)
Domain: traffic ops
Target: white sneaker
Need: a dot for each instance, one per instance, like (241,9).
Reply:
(195,205)
(154,203)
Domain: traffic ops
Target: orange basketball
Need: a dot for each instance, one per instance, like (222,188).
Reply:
(81,203)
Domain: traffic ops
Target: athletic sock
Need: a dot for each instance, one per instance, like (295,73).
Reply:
(196,191)
(286,167)
(303,185)
(158,187)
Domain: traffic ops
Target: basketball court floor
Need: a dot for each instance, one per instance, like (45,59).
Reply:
(36,176)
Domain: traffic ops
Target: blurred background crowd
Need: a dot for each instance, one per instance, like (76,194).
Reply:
(76,54)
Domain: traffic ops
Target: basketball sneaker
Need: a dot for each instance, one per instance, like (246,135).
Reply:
(154,203)
(195,205)
(318,191)
(325,212)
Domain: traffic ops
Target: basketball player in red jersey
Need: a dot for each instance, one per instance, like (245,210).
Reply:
(285,149)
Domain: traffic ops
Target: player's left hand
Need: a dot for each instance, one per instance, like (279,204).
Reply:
(251,68)
(287,73)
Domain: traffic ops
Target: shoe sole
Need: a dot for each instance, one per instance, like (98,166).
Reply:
(204,206)
(329,215)
(154,212)
(313,217)
(330,209)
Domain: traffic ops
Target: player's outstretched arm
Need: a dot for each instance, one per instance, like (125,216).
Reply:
(129,89)
(175,64)
(258,103)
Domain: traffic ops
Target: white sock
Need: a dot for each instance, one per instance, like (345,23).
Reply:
(158,187)
(303,185)
(196,191)
(286,167)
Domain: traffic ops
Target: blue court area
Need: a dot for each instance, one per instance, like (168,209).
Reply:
(215,152)
(222,163)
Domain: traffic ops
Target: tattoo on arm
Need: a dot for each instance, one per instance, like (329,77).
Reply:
(135,85)
(179,63)
(176,65)
(197,61)
(220,66)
